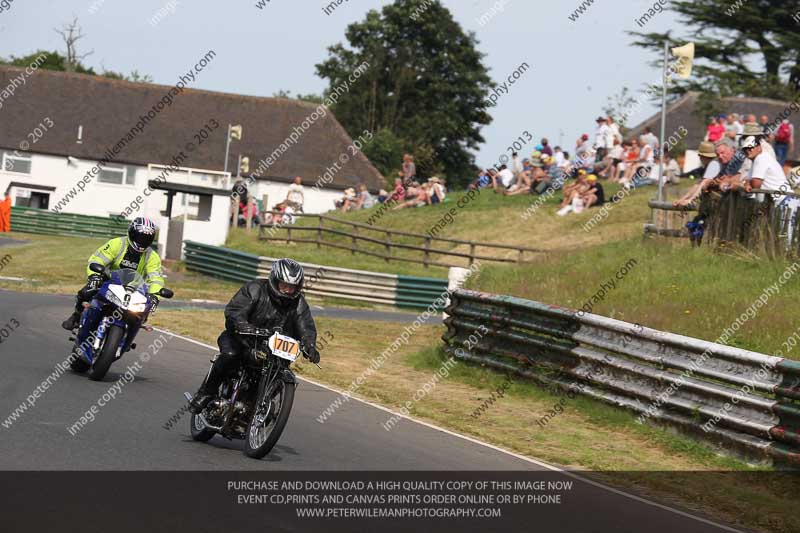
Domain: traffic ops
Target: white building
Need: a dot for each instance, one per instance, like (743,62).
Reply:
(76,143)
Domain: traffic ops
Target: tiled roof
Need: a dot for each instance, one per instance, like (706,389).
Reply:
(108,109)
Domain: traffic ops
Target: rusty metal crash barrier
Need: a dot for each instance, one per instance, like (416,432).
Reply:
(752,398)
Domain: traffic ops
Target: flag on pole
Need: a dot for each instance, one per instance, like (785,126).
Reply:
(236,132)
(685,55)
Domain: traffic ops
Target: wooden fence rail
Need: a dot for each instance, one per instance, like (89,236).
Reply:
(760,225)
(426,247)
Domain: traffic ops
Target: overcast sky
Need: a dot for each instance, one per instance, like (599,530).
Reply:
(575,66)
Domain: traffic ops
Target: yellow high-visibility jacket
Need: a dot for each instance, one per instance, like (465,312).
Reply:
(111,254)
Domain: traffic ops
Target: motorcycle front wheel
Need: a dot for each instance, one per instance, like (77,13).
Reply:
(199,430)
(269,420)
(108,353)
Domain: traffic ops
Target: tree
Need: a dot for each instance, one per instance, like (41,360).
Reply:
(71,33)
(749,48)
(311,97)
(618,107)
(52,61)
(424,82)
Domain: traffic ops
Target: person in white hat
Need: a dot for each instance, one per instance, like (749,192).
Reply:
(767,174)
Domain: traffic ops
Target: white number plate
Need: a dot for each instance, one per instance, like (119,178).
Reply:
(284,347)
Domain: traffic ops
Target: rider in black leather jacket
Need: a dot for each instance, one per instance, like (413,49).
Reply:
(275,302)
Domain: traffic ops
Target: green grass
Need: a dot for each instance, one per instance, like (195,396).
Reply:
(488,218)
(57,264)
(672,287)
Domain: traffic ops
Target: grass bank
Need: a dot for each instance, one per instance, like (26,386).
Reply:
(585,435)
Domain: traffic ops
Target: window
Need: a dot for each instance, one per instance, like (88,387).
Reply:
(117,174)
(15,163)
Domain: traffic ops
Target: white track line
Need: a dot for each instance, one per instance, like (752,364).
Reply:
(493,447)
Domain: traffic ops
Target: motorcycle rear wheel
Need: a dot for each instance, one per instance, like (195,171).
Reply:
(281,398)
(108,353)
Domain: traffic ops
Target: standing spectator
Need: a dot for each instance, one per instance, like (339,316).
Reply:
(733,128)
(409,169)
(766,172)
(730,162)
(5,212)
(516,165)
(601,135)
(672,172)
(649,138)
(615,131)
(764,122)
(559,156)
(716,129)
(784,141)
(296,197)
(710,168)
(545,149)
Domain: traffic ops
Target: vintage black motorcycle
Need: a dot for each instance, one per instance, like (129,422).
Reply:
(255,402)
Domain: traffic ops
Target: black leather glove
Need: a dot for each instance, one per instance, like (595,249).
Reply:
(154,301)
(245,328)
(94,282)
(312,354)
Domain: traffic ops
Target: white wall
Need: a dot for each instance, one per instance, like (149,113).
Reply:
(316,201)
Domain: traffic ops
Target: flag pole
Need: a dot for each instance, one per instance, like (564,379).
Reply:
(227,148)
(663,125)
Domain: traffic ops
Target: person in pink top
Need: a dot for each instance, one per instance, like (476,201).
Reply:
(716,129)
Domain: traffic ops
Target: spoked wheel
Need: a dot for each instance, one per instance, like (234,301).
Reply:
(269,420)
(199,430)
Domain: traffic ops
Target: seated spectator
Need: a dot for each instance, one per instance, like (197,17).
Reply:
(615,156)
(637,172)
(364,200)
(503,179)
(419,199)
(399,192)
(246,207)
(573,195)
(710,168)
(595,195)
(436,193)
(527,178)
(344,203)
(296,197)
(284,215)
(483,181)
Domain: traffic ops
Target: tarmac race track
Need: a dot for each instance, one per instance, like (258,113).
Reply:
(129,434)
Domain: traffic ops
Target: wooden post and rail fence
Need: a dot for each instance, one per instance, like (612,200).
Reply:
(757,223)
(423,250)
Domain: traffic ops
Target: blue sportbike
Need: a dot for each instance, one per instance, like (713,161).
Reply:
(112,319)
